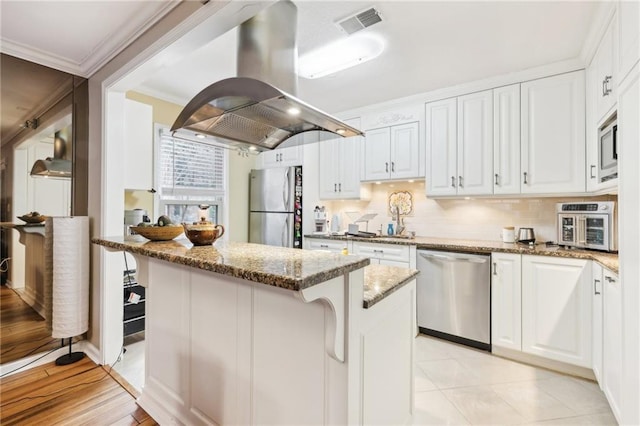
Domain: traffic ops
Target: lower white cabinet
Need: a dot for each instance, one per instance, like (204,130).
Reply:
(556,309)
(387,254)
(597,323)
(506,296)
(612,341)
(335,246)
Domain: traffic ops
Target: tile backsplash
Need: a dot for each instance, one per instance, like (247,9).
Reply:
(478,219)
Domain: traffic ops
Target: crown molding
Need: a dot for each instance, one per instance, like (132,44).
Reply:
(600,22)
(111,45)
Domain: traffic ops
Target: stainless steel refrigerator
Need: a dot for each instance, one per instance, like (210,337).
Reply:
(275,207)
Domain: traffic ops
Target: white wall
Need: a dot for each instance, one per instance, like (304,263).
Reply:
(477,219)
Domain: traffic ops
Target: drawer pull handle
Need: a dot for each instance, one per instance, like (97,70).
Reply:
(386,167)
(453,181)
(378,251)
(595,286)
(495,270)
(591,173)
(496,182)
(525,178)
(324,246)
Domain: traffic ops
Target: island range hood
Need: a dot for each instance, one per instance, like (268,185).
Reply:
(258,109)
(57,166)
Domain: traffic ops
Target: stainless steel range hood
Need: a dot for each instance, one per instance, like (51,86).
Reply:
(58,166)
(249,110)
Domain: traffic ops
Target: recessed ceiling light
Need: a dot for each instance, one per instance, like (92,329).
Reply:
(252,148)
(200,136)
(340,131)
(411,181)
(378,183)
(293,111)
(340,55)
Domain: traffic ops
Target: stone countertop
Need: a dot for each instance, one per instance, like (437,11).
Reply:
(287,268)
(381,280)
(608,260)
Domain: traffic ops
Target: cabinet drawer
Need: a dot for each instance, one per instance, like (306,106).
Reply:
(133,310)
(138,289)
(329,245)
(133,326)
(393,252)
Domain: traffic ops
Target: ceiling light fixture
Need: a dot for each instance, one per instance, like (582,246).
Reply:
(200,136)
(340,131)
(293,111)
(340,55)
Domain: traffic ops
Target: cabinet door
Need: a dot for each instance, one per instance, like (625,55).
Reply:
(597,323)
(556,309)
(376,157)
(349,167)
(441,147)
(138,142)
(612,344)
(475,144)
(506,312)
(506,140)
(328,173)
(281,157)
(405,151)
(629,36)
(553,134)
(605,80)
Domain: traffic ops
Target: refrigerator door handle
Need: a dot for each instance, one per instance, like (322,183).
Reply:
(287,232)
(286,188)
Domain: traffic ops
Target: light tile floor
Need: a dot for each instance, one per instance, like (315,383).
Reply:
(456,385)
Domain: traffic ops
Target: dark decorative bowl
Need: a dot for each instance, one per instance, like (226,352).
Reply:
(158,233)
(32,219)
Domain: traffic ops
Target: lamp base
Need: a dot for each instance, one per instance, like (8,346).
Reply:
(70,358)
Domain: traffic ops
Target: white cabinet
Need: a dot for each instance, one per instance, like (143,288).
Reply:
(506,313)
(387,254)
(506,140)
(392,152)
(460,145)
(612,344)
(138,142)
(597,323)
(556,309)
(339,174)
(629,36)
(441,137)
(334,246)
(281,157)
(553,134)
(603,68)
(475,144)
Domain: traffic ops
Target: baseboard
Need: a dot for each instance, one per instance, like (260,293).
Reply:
(549,364)
(24,364)
(89,348)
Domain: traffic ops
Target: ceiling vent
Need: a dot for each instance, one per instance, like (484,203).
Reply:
(359,21)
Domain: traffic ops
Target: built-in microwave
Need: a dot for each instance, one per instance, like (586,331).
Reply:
(608,152)
(590,225)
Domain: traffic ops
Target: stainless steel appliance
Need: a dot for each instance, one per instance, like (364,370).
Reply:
(526,236)
(608,152)
(590,225)
(275,207)
(453,297)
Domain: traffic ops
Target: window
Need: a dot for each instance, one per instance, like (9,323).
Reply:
(191,177)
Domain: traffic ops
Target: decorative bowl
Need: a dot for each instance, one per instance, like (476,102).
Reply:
(203,233)
(158,233)
(32,219)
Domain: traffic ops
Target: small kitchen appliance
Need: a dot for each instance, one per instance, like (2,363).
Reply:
(526,236)
(608,152)
(320,218)
(590,225)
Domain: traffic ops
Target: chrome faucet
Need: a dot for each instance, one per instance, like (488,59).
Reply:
(399,222)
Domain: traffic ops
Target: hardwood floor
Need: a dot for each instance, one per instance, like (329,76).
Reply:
(22,330)
(78,394)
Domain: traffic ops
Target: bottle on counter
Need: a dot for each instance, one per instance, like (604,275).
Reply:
(390,229)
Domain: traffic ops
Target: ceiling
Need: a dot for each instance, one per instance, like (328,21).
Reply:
(429,45)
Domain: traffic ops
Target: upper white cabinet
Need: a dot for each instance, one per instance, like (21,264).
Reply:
(603,79)
(339,173)
(281,157)
(556,309)
(506,140)
(138,143)
(441,135)
(553,134)
(392,152)
(393,148)
(460,145)
(628,36)
(475,144)
(506,310)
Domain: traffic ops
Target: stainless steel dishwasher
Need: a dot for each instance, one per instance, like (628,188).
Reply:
(454,297)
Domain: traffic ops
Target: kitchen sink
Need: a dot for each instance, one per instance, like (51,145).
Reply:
(404,237)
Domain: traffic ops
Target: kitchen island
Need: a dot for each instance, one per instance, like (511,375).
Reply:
(242,333)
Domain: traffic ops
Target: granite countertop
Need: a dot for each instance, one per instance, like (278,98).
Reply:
(287,268)
(608,260)
(381,280)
